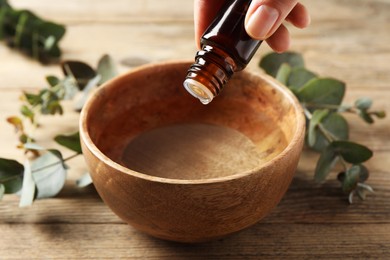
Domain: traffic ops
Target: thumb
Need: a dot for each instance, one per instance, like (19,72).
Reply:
(265,16)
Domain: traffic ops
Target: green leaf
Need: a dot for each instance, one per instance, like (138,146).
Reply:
(3,13)
(54,107)
(283,73)
(363,103)
(325,164)
(322,91)
(13,185)
(2,191)
(81,72)
(364,173)
(363,114)
(271,62)
(299,77)
(317,117)
(84,180)
(52,80)
(106,69)
(49,29)
(352,152)
(33,99)
(352,177)
(49,175)
(9,169)
(336,125)
(28,188)
(23,138)
(70,141)
(380,114)
(27,112)
(4,3)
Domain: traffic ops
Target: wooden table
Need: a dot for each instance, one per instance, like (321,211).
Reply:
(348,40)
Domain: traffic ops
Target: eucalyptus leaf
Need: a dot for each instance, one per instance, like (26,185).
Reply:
(23,138)
(106,69)
(335,125)
(84,180)
(16,122)
(362,193)
(3,12)
(271,62)
(28,188)
(380,114)
(365,187)
(283,73)
(298,77)
(317,117)
(82,98)
(363,172)
(52,80)
(27,112)
(13,185)
(80,71)
(352,152)
(11,175)
(58,154)
(9,169)
(322,91)
(363,114)
(352,177)
(48,29)
(70,141)
(33,146)
(33,99)
(4,3)
(325,164)
(49,175)
(69,87)
(2,191)
(363,103)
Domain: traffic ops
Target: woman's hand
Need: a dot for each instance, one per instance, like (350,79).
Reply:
(263,21)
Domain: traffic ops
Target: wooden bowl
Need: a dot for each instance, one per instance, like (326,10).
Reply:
(179,170)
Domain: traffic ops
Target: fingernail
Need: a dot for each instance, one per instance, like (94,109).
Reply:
(261,21)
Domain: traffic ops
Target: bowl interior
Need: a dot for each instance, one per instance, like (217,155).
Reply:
(147,122)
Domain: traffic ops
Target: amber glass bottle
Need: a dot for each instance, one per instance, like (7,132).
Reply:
(225,49)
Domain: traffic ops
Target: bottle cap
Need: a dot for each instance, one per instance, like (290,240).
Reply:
(199,91)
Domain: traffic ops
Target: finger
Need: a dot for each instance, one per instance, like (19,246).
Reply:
(265,16)
(204,13)
(280,40)
(299,16)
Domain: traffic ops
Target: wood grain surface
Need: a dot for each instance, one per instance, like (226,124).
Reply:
(348,40)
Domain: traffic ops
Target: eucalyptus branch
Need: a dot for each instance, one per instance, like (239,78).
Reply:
(24,31)
(328,135)
(328,130)
(49,166)
(19,175)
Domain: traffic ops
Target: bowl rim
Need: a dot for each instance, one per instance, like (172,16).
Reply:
(85,138)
